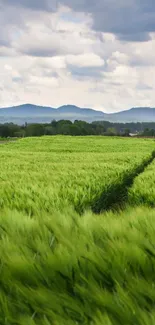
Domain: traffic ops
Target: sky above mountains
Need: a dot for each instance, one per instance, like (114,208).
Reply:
(90,53)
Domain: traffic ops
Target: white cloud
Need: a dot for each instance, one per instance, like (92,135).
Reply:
(85,60)
(57,58)
(55,63)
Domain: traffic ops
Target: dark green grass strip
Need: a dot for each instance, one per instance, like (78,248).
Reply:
(116,196)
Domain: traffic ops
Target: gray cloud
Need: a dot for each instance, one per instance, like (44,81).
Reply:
(142,86)
(49,46)
(3,42)
(135,37)
(17,79)
(85,72)
(32,4)
(129,21)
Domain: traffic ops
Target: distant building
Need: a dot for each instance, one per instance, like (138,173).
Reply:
(133,134)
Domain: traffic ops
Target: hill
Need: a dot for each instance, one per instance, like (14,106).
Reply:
(136,114)
(33,113)
(41,114)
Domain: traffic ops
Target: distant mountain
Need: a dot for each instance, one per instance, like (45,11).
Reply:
(33,113)
(136,114)
(40,114)
(26,110)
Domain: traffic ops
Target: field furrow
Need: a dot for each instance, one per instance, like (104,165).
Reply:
(37,180)
(143,189)
(61,263)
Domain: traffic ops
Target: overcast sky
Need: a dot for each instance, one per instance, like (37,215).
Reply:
(97,54)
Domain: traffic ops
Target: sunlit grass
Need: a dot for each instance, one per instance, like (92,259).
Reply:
(78,270)
(143,190)
(50,173)
(61,264)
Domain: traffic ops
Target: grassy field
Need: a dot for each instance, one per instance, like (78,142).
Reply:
(143,190)
(3,139)
(48,174)
(77,242)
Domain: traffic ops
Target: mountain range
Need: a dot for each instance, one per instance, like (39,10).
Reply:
(42,114)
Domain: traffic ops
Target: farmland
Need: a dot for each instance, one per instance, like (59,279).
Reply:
(143,190)
(77,236)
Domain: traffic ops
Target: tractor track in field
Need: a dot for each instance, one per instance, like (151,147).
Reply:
(116,196)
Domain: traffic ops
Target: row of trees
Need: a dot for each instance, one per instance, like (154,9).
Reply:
(64,127)
(76,128)
(148,132)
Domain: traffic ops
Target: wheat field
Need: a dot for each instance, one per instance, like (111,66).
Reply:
(77,231)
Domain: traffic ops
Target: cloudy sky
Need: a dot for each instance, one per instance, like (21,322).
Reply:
(90,53)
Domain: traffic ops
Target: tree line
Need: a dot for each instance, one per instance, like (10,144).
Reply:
(66,127)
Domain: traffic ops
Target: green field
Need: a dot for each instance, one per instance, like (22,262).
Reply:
(77,231)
